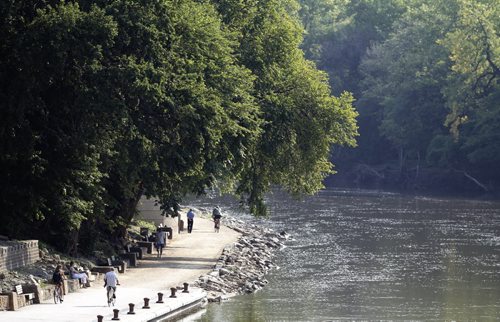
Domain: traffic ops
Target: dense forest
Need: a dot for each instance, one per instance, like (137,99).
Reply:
(425,75)
(103,101)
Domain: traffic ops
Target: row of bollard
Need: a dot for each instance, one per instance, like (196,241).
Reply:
(173,290)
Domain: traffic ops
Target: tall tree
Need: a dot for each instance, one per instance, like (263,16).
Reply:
(51,141)
(302,120)
(405,75)
(473,89)
(475,51)
(191,113)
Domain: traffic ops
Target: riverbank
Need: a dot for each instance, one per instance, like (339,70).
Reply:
(242,266)
(221,265)
(185,258)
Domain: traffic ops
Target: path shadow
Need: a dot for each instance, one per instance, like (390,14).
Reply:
(181,258)
(180,265)
(177,262)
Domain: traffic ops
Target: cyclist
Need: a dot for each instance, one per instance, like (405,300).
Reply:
(216,215)
(110,282)
(58,278)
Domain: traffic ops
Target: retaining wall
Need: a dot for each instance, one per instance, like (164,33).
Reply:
(4,302)
(148,210)
(14,254)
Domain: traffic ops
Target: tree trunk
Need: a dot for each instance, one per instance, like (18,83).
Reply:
(479,184)
(417,172)
(401,161)
(72,246)
(128,209)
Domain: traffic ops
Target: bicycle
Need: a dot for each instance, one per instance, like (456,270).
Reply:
(111,295)
(216,224)
(58,294)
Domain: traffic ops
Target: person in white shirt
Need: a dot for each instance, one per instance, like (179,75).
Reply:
(110,282)
(161,241)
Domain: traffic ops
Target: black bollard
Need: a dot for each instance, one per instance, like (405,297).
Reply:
(186,285)
(173,290)
(131,308)
(146,303)
(99,318)
(160,298)
(115,315)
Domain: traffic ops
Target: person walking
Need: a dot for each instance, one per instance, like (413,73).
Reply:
(190,218)
(161,241)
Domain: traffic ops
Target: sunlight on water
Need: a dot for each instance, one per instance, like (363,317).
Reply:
(372,255)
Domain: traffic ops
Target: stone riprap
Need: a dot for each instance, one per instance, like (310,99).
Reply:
(242,267)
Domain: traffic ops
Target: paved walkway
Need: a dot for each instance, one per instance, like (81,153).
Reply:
(185,258)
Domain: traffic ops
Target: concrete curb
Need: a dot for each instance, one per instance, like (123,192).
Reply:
(171,308)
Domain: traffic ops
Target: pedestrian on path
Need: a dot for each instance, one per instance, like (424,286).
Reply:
(190,218)
(161,241)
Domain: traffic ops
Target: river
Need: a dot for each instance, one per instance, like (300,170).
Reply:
(363,255)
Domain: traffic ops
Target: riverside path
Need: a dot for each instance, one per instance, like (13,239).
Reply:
(185,258)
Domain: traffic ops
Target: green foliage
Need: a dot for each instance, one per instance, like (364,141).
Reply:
(138,223)
(404,76)
(473,89)
(341,31)
(50,108)
(104,101)
(425,76)
(301,119)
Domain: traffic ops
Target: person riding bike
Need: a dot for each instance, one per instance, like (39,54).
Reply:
(58,279)
(110,283)
(216,216)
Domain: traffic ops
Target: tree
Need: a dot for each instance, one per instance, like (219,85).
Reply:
(475,51)
(191,113)
(405,76)
(104,101)
(473,87)
(51,114)
(301,119)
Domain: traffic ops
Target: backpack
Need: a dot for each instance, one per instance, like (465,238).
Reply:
(216,213)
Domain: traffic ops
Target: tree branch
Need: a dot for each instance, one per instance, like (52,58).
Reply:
(468,176)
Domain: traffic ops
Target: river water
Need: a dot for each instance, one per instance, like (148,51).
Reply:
(363,255)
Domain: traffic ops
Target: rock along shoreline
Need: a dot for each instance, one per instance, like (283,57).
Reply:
(242,266)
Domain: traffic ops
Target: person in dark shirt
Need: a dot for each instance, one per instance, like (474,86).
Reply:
(216,216)
(58,275)
(58,279)
(190,218)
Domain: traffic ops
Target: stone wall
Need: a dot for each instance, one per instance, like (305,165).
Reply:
(148,210)
(4,302)
(14,254)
